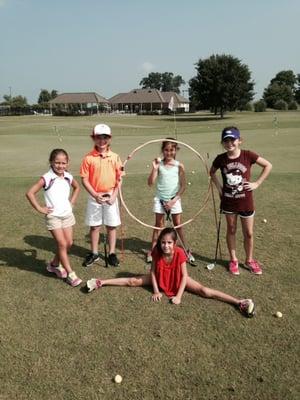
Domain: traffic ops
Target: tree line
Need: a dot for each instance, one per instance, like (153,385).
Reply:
(222,83)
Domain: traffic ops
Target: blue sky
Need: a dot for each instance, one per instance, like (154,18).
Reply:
(109,46)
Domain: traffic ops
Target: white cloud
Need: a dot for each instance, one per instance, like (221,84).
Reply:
(146,66)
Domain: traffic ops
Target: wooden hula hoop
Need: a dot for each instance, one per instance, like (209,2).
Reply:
(190,148)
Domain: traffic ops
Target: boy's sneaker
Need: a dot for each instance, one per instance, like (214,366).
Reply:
(112,259)
(190,258)
(93,284)
(234,267)
(149,258)
(73,279)
(90,259)
(58,270)
(254,267)
(247,308)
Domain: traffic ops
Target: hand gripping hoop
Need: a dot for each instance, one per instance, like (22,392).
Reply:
(190,148)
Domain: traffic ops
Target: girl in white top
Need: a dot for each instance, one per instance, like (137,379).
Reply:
(57,183)
(170,186)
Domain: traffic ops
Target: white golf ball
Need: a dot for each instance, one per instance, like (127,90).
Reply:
(189,183)
(148,165)
(278,314)
(193,172)
(118,379)
(158,159)
(264,221)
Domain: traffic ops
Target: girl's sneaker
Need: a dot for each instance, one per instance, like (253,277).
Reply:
(191,259)
(247,308)
(73,279)
(59,270)
(234,267)
(149,258)
(254,267)
(93,284)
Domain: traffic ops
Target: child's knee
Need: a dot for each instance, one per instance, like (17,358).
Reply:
(248,235)
(133,282)
(231,229)
(63,244)
(205,292)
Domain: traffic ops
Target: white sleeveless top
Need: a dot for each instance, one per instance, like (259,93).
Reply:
(57,192)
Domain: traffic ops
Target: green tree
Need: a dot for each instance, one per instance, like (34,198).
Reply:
(44,97)
(7,100)
(222,83)
(287,78)
(275,92)
(166,82)
(53,94)
(297,91)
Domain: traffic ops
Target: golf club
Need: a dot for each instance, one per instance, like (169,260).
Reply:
(212,265)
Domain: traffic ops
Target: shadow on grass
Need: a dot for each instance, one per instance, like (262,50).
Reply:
(23,259)
(134,244)
(48,243)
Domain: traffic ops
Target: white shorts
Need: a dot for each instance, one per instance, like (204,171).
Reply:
(102,214)
(158,208)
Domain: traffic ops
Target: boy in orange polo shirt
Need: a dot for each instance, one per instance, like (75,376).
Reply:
(100,172)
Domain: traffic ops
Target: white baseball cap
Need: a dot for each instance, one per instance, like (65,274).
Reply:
(102,129)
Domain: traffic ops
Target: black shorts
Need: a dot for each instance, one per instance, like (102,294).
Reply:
(242,214)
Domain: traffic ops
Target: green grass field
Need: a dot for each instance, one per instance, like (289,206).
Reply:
(56,342)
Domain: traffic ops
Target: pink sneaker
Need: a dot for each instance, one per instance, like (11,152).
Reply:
(73,279)
(234,267)
(254,267)
(59,270)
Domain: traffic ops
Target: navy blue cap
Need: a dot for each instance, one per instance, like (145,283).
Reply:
(233,133)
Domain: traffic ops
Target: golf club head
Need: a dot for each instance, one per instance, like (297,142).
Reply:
(211,266)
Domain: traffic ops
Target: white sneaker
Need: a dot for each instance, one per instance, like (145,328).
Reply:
(191,259)
(93,284)
(247,307)
(73,279)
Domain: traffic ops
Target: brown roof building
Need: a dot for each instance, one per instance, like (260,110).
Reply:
(79,103)
(147,100)
(79,98)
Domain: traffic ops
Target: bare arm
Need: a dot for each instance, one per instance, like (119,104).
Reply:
(156,293)
(154,172)
(215,180)
(31,196)
(177,298)
(266,169)
(75,193)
